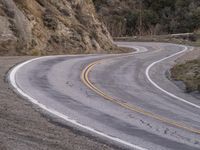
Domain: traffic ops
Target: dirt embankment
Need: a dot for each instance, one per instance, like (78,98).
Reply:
(23,127)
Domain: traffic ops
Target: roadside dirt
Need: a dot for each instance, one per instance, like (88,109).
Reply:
(24,127)
(191,55)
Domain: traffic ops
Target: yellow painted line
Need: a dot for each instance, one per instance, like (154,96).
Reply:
(122,103)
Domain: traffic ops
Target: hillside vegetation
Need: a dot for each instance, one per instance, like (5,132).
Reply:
(149,17)
(43,27)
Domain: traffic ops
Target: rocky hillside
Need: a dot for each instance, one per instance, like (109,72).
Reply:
(42,27)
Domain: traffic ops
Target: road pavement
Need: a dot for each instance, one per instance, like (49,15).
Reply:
(125,99)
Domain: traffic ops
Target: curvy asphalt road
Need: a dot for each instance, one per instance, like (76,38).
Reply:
(124,99)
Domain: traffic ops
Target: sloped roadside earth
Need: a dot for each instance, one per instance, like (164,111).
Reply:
(24,127)
(187,71)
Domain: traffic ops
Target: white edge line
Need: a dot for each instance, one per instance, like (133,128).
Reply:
(137,48)
(12,81)
(158,87)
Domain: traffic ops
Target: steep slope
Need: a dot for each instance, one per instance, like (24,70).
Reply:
(40,27)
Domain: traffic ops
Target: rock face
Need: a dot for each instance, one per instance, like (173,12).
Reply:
(45,27)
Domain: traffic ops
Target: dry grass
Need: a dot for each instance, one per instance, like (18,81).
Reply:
(189,73)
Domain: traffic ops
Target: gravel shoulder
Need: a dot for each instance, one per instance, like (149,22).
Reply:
(22,126)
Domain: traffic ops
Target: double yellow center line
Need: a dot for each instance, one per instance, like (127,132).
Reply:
(122,103)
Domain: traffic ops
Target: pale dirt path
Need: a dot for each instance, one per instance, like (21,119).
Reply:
(195,54)
(23,127)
